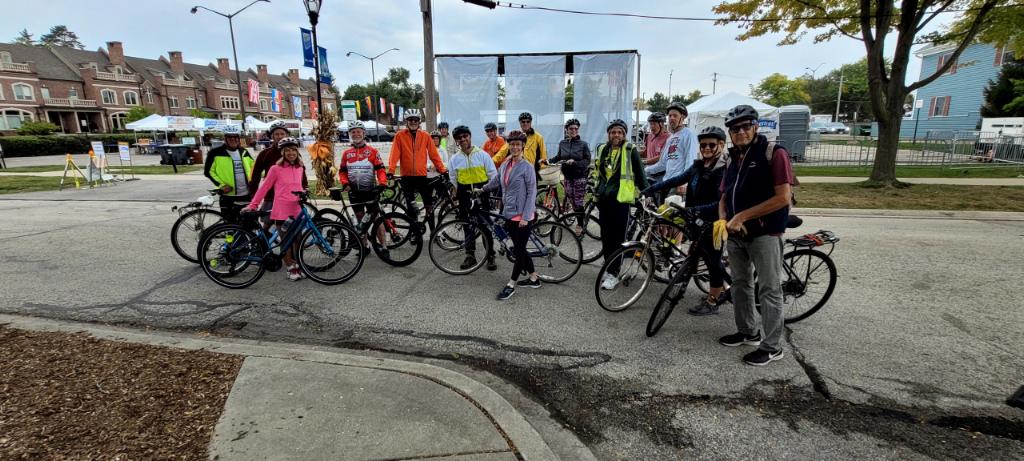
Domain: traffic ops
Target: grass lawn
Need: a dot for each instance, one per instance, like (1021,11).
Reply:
(913,171)
(114,169)
(915,197)
(15,184)
(904,145)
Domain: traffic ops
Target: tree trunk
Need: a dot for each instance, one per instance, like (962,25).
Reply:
(883,172)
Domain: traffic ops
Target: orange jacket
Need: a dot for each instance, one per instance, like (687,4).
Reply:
(413,154)
(492,147)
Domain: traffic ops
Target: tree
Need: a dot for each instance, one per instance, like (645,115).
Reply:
(394,88)
(1002,92)
(856,100)
(687,99)
(871,22)
(24,38)
(61,36)
(658,103)
(569,90)
(780,90)
(137,113)
(197,113)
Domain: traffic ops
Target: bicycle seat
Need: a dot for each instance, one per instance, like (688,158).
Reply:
(794,222)
(335,193)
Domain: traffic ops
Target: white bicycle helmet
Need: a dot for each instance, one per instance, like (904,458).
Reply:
(280,124)
(232,130)
(356,124)
(413,113)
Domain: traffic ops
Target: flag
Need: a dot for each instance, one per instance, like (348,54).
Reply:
(383,105)
(254,91)
(307,47)
(369,105)
(325,73)
(313,108)
(359,111)
(401,113)
(275,100)
(393,109)
(297,106)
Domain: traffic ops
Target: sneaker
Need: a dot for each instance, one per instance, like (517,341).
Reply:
(491,265)
(468,263)
(506,293)
(294,275)
(740,339)
(704,308)
(610,282)
(529,283)
(761,357)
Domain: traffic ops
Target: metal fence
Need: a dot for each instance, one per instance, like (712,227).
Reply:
(936,148)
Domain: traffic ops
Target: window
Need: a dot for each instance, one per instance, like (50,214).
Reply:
(109,97)
(118,120)
(172,102)
(5,57)
(149,96)
(73,93)
(263,104)
(330,106)
(202,100)
(1,92)
(131,98)
(229,102)
(11,119)
(1003,55)
(190,102)
(942,61)
(45,92)
(23,92)
(939,106)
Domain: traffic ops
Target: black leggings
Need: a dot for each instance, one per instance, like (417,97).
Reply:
(713,259)
(519,236)
(231,205)
(614,216)
(410,186)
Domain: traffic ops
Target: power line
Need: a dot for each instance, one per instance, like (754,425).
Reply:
(521,6)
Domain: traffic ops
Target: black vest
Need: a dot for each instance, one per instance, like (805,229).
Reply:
(751,183)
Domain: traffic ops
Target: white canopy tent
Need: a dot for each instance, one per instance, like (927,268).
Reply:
(255,124)
(711,111)
(155,122)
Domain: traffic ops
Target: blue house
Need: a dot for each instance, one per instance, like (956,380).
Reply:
(953,101)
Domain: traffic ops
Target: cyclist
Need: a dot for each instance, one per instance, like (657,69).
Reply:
(361,170)
(655,140)
(472,169)
(436,137)
(620,175)
(269,156)
(410,150)
(518,185)
(704,179)
(284,178)
(752,215)
(680,150)
(534,151)
(494,142)
(448,145)
(229,167)
(576,154)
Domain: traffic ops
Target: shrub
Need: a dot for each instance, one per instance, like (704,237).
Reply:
(35,127)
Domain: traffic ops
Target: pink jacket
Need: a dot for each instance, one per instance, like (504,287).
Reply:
(283,179)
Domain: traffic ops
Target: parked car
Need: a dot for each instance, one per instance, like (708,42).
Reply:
(820,127)
(838,128)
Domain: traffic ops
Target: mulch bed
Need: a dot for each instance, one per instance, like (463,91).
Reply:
(71,396)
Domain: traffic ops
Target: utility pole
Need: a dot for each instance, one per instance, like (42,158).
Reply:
(714,82)
(839,96)
(670,85)
(429,95)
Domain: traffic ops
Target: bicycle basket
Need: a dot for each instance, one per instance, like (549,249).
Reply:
(550,175)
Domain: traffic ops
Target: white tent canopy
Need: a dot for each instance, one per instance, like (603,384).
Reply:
(252,123)
(153,122)
(711,111)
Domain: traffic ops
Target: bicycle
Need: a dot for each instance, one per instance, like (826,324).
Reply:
(393,236)
(806,288)
(237,255)
(651,257)
(193,219)
(554,247)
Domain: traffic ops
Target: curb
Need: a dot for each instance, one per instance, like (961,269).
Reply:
(912,214)
(524,438)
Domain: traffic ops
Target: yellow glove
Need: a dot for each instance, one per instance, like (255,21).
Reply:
(719,234)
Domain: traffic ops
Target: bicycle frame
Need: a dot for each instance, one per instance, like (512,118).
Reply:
(302,222)
(490,221)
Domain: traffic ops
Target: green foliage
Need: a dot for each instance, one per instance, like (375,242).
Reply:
(780,90)
(658,102)
(394,88)
(24,38)
(688,98)
(36,127)
(1003,28)
(199,113)
(60,36)
(31,146)
(856,100)
(569,90)
(1004,96)
(137,113)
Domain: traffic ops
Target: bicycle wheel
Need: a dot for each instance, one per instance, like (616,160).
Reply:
(231,256)
(189,228)
(395,239)
(670,296)
(591,246)
(331,215)
(669,249)
(636,270)
(448,244)
(331,253)
(555,250)
(809,279)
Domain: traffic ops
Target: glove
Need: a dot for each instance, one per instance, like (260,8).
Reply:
(720,234)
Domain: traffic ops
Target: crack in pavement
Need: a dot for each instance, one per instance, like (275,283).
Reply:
(813,374)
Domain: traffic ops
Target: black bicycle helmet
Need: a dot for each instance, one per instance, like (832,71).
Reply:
(658,117)
(679,107)
(572,121)
(617,123)
(516,135)
(526,116)
(712,132)
(490,126)
(461,130)
(442,125)
(740,113)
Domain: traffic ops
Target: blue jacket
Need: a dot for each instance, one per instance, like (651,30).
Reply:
(519,195)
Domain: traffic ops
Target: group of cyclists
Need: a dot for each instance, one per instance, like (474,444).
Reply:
(744,190)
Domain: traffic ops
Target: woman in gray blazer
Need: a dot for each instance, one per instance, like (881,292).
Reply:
(518,184)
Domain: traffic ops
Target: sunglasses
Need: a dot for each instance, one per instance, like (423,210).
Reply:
(741,127)
(708,145)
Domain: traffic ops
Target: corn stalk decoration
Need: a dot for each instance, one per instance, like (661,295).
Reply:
(321,152)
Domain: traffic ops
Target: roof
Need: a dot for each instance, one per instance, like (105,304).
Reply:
(77,57)
(48,65)
(145,67)
(200,72)
(722,102)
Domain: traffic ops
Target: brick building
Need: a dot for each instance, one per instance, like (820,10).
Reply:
(92,91)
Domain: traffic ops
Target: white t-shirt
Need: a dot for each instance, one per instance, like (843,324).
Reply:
(241,185)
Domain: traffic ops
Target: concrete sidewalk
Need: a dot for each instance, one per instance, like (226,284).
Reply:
(303,402)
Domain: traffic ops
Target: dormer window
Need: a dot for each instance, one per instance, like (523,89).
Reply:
(5,57)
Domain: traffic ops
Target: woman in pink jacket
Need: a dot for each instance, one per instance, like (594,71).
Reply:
(284,178)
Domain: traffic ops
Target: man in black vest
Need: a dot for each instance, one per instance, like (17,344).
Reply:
(753,209)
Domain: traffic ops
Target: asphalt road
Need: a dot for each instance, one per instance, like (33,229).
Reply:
(912,358)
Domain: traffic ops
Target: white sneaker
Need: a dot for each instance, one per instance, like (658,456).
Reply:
(610,282)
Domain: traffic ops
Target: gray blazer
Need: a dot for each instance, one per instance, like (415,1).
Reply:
(519,195)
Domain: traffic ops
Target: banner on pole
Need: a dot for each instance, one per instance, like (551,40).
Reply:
(325,72)
(275,100)
(297,106)
(307,47)
(349,110)
(314,108)
(254,91)
(369,105)
(383,105)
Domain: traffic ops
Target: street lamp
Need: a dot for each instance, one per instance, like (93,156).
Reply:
(373,75)
(231,27)
(670,84)
(814,69)
(313,8)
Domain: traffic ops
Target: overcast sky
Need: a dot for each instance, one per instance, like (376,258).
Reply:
(267,33)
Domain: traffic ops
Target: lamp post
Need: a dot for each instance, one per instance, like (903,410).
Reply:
(814,69)
(373,74)
(231,27)
(313,8)
(670,85)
